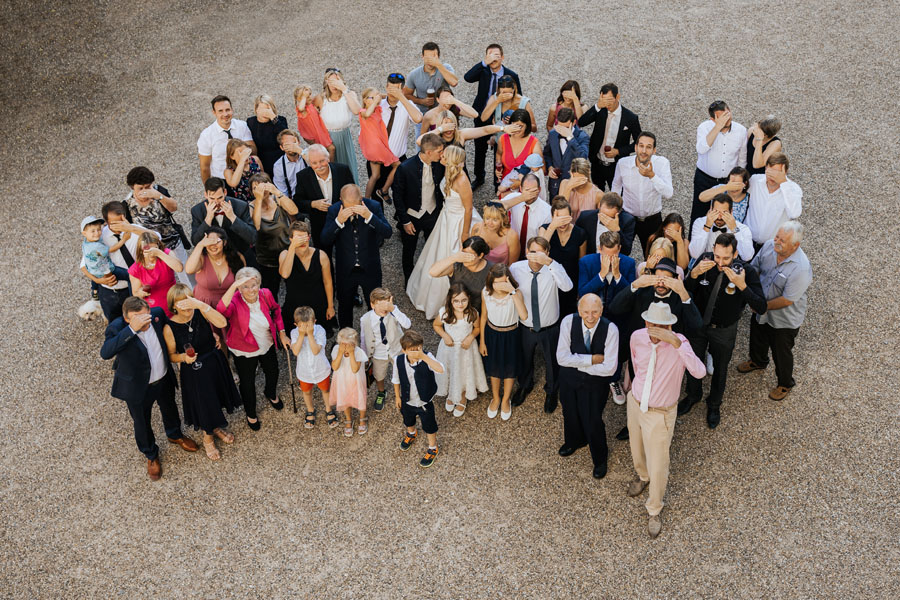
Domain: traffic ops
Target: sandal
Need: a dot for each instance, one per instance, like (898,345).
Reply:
(363,425)
(348,428)
(310,421)
(209,445)
(225,436)
(331,418)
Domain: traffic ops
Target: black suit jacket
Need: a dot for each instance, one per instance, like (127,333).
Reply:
(308,190)
(132,363)
(371,235)
(241,232)
(632,304)
(626,138)
(482,75)
(407,187)
(587,220)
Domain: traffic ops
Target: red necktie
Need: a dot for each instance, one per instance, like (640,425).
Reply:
(523,233)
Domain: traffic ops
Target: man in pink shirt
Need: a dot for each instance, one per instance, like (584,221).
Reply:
(660,357)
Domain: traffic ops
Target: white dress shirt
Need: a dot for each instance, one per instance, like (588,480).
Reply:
(285,174)
(370,319)
(414,399)
(326,185)
(538,214)
(158,360)
(262,332)
(109,238)
(767,211)
(398,138)
(703,241)
(213,140)
(612,132)
(582,362)
(551,279)
(312,368)
(642,196)
(729,149)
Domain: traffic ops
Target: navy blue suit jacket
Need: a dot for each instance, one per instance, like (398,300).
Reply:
(576,148)
(587,220)
(589,281)
(371,235)
(132,363)
(482,75)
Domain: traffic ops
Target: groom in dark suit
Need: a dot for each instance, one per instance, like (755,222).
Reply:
(144,376)
(355,226)
(319,187)
(620,137)
(417,197)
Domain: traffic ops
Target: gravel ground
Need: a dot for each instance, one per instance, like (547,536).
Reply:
(783,500)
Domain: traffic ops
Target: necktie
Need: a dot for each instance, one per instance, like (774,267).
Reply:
(228,133)
(493,84)
(648,381)
(587,340)
(126,254)
(535,304)
(711,303)
(383,332)
(523,233)
(720,229)
(390,124)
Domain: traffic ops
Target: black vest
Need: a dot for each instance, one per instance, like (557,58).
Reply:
(424,376)
(576,346)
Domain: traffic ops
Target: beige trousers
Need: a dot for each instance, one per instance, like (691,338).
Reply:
(650,434)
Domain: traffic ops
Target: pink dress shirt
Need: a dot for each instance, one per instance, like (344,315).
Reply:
(237,332)
(670,365)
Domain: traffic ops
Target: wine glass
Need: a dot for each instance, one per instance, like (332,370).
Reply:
(189,350)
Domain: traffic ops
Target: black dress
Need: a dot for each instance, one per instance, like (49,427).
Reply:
(265,136)
(209,389)
(568,257)
(751,150)
(305,288)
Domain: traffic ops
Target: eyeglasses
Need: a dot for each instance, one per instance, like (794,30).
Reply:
(332,70)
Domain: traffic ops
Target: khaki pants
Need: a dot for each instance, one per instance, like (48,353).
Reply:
(650,434)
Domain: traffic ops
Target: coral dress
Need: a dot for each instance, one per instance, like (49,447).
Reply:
(373,138)
(160,278)
(510,162)
(311,126)
(348,389)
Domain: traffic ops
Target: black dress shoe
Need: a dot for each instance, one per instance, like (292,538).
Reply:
(623,434)
(567,450)
(358,300)
(479,181)
(518,398)
(550,403)
(254,426)
(686,404)
(713,417)
(600,471)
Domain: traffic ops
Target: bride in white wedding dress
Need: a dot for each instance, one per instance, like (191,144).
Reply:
(451,229)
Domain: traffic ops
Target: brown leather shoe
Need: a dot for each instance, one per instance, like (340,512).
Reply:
(154,469)
(779,393)
(637,486)
(748,366)
(186,444)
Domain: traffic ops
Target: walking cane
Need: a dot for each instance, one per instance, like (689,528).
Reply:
(287,353)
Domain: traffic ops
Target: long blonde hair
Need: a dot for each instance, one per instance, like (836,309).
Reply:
(455,161)
(326,90)
(446,114)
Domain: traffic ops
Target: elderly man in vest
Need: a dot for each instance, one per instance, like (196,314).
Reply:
(381,329)
(659,356)
(587,352)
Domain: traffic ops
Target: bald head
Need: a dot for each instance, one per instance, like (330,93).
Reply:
(350,195)
(590,309)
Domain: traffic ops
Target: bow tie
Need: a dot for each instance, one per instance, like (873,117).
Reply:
(720,229)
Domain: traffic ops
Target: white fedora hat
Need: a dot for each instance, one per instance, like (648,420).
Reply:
(660,314)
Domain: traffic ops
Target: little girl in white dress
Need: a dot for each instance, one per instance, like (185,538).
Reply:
(458,324)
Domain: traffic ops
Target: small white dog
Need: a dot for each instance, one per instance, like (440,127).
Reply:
(90,310)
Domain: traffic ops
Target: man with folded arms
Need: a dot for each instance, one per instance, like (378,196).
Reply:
(659,356)
(706,230)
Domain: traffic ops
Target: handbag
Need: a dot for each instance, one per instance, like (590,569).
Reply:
(185,240)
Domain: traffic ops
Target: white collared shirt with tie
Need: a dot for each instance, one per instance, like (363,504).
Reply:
(398,135)
(584,362)
(643,196)
(214,139)
(550,280)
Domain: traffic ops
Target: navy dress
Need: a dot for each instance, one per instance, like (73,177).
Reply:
(209,389)
(568,256)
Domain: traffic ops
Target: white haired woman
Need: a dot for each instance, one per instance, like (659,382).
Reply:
(254,325)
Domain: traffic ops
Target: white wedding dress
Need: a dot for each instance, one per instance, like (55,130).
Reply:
(429,293)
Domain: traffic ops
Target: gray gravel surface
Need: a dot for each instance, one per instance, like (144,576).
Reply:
(789,500)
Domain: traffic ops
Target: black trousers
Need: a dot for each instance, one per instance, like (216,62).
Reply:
(423,226)
(644,229)
(111,301)
(719,341)
(163,393)
(547,338)
(583,415)
(602,175)
(246,370)
(765,338)
(271,280)
(481,148)
(702,182)
(347,285)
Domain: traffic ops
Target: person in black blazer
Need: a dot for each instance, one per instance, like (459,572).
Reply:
(414,214)
(609,211)
(486,73)
(557,162)
(355,226)
(626,136)
(235,216)
(143,375)
(309,197)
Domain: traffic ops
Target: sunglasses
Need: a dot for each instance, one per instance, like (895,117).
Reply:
(396,78)
(332,70)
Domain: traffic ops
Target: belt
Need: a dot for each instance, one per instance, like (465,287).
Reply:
(157,382)
(718,179)
(642,219)
(719,326)
(496,328)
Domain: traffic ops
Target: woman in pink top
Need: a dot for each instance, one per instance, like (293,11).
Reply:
(578,189)
(254,325)
(153,271)
(500,237)
(373,141)
(213,262)
(309,121)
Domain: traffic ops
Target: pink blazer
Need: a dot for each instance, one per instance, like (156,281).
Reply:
(237,332)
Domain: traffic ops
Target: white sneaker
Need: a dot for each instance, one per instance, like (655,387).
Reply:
(617,392)
(709,363)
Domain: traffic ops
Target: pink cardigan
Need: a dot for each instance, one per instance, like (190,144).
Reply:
(237,332)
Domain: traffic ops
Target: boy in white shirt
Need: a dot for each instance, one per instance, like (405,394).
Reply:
(380,330)
(313,367)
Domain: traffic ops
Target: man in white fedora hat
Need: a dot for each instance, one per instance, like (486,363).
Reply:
(659,356)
